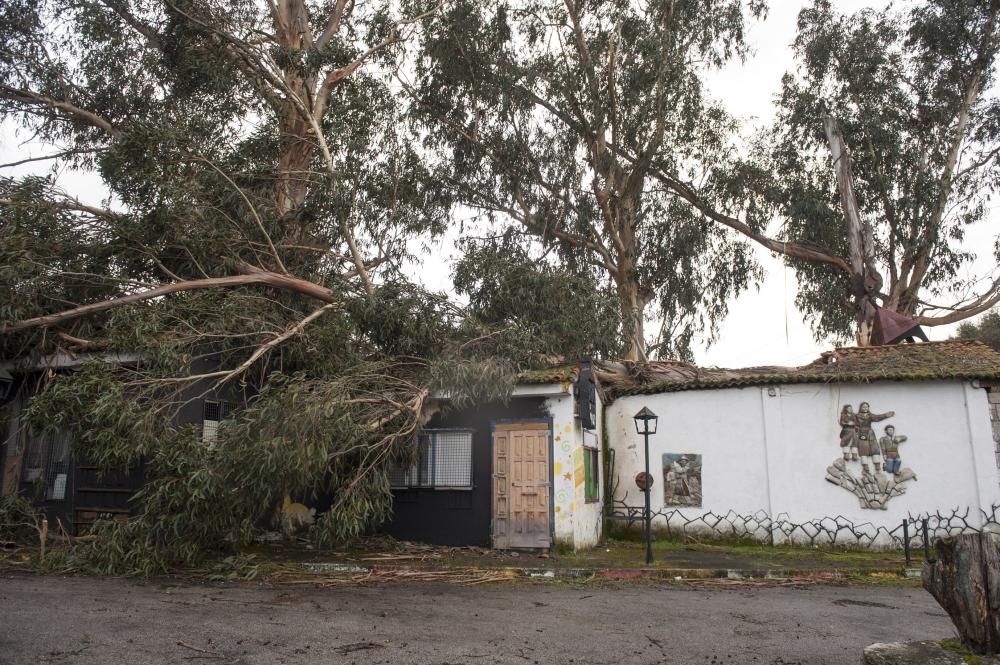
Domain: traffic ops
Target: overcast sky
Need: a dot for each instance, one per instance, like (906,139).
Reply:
(763,326)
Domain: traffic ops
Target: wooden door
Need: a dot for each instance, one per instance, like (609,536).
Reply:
(521,486)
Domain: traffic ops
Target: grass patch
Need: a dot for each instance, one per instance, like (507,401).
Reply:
(746,547)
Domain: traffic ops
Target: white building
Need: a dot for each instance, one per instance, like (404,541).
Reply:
(763,446)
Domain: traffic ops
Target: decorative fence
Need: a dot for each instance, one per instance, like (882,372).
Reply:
(827,531)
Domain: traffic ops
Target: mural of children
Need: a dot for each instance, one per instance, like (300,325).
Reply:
(868,444)
(890,448)
(848,433)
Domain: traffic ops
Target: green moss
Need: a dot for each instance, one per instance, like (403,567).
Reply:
(548,375)
(955,646)
(919,362)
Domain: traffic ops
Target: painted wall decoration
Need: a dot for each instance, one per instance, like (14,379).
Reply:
(681,479)
(870,466)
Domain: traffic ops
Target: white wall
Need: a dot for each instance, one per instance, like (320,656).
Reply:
(764,452)
(577,523)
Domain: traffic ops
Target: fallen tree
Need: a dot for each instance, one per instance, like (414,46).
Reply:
(260,201)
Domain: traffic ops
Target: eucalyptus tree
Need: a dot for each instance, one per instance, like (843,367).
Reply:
(550,116)
(565,312)
(260,197)
(883,154)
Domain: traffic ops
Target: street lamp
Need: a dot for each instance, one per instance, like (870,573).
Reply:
(645,424)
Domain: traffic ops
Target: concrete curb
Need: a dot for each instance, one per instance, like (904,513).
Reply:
(676,574)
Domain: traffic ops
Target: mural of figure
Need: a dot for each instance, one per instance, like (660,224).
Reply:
(868,444)
(681,479)
(890,449)
(848,433)
(676,481)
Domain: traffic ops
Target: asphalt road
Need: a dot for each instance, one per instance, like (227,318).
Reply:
(116,622)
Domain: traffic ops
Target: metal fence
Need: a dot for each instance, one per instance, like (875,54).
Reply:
(826,531)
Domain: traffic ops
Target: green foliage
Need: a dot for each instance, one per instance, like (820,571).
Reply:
(213,171)
(19,520)
(986,330)
(239,567)
(558,312)
(550,117)
(913,91)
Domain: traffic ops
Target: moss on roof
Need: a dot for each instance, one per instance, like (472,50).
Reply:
(955,360)
(554,374)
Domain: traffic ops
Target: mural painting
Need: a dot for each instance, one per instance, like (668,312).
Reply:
(681,479)
(870,466)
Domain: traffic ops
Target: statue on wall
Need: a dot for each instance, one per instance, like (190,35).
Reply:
(868,444)
(876,457)
(848,433)
(890,449)
(681,479)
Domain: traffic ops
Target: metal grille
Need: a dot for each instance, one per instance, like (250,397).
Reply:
(420,473)
(444,460)
(453,459)
(47,461)
(214,413)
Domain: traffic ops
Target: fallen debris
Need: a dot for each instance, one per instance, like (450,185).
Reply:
(358,646)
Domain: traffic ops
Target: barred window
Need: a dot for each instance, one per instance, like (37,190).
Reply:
(443,461)
(213,413)
(47,461)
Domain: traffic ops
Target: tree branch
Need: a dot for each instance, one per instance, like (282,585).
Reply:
(333,25)
(274,280)
(57,155)
(35,99)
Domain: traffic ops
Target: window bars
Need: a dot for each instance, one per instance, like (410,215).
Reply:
(213,413)
(47,461)
(443,461)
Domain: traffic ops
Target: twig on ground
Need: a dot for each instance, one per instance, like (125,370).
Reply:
(194,648)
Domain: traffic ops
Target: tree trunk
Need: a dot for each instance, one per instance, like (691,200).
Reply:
(294,158)
(630,293)
(865,279)
(296,134)
(632,309)
(965,580)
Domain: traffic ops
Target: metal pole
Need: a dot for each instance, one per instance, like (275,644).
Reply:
(906,540)
(927,541)
(649,478)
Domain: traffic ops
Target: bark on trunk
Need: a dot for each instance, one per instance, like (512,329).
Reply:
(865,279)
(632,308)
(297,140)
(965,580)
(294,158)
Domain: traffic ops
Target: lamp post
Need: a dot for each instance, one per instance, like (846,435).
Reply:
(645,424)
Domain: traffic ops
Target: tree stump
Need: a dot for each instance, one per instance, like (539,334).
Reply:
(965,581)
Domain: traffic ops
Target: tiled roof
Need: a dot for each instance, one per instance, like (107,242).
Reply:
(928,361)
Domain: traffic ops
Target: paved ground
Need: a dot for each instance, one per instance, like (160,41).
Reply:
(110,622)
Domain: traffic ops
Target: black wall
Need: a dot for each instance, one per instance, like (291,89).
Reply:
(460,517)
(95,493)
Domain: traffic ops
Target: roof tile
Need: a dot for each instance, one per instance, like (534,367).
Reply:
(957,359)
